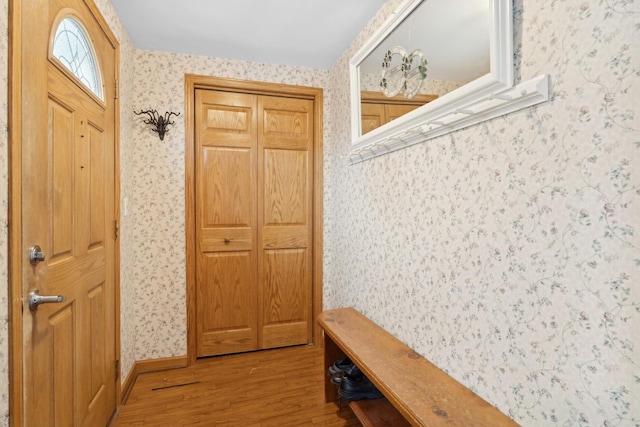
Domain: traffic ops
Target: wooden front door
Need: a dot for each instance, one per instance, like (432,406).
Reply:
(254,221)
(69,211)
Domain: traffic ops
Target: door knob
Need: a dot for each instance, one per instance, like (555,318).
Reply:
(35,254)
(35,299)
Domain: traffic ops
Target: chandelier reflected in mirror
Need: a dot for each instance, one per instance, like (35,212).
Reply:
(403,72)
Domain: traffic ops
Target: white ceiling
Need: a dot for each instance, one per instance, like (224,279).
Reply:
(304,33)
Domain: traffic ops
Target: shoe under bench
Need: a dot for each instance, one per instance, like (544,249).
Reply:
(416,392)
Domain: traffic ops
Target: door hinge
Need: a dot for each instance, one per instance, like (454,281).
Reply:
(116,229)
(117,84)
(117,368)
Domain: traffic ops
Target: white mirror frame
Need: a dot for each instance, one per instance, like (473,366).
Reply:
(487,97)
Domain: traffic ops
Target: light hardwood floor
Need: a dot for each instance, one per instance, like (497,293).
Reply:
(282,387)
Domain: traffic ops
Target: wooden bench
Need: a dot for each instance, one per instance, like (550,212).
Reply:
(416,391)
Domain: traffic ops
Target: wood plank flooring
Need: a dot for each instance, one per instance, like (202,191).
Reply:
(282,387)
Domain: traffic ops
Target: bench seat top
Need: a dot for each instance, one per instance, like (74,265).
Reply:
(423,393)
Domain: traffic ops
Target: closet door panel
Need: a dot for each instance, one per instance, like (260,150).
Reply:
(285,176)
(226,194)
(226,209)
(226,304)
(226,115)
(286,301)
(285,142)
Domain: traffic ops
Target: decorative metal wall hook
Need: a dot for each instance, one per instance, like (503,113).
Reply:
(159,123)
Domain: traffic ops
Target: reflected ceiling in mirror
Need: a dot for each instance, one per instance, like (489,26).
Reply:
(451,36)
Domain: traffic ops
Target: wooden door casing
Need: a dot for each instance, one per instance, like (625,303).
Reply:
(254,221)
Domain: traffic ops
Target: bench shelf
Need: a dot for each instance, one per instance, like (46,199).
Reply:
(377,412)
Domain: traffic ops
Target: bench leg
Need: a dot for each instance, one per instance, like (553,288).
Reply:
(331,353)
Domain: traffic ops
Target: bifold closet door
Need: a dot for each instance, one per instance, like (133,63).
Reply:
(226,196)
(253,221)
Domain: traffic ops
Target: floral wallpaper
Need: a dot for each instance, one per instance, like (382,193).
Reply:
(507,253)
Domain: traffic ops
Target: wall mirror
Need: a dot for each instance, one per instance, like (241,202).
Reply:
(433,67)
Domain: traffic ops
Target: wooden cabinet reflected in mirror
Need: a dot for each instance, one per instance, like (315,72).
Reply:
(377,109)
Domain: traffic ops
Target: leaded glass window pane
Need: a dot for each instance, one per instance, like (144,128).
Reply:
(72,47)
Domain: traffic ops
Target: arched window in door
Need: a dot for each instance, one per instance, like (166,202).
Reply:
(73,49)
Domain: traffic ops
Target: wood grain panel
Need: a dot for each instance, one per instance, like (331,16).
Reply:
(96,142)
(228,239)
(228,119)
(286,188)
(286,123)
(81,172)
(96,305)
(226,187)
(373,116)
(62,337)
(61,146)
(226,303)
(67,276)
(285,334)
(91,361)
(286,301)
(225,119)
(285,237)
